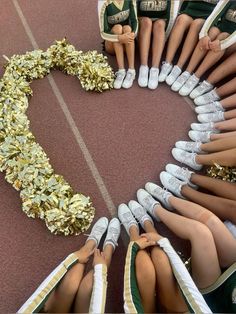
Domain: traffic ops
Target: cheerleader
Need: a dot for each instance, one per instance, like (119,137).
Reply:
(156,19)
(118,27)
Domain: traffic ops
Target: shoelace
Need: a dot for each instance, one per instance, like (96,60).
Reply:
(175,71)
(192,81)
(114,233)
(203,86)
(184,172)
(165,67)
(119,75)
(163,192)
(182,78)
(175,183)
(154,73)
(129,76)
(191,146)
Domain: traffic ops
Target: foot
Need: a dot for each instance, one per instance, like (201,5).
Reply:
(113,233)
(190,84)
(203,88)
(99,228)
(211,107)
(120,75)
(209,126)
(193,147)
(165,70)
(181,80)
(139,213)
(161,194)
(143,76)
(171,78)
(126,217)
(211,117)
(186,158)
(129,79)
(183,174)
(206,98)
(148,202)
(171,183)
(198,136)
(153,78)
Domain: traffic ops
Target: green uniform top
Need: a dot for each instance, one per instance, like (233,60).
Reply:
(198,9)
(111,12)
(223,17)
(161,9)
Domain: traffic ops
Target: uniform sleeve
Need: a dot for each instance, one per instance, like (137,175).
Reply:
(105,30)
(132,299)
(98,298)
(216,14)
(191,293)
(133,16)
(174,9)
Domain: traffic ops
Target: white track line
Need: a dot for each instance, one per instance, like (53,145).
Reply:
(79,139)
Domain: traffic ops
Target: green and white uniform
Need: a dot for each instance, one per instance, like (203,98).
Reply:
(224,18)
(36,302)
(198,9)
(111,12)
(162,9)
(132,299)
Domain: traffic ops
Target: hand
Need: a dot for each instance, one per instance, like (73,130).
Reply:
(98,258)
(126,38)
(215,45)
(83,254)
(151,236)
(204,43)
(143,243)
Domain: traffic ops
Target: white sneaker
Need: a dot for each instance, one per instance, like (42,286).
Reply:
(120,75)
(211,107)
(209,126)
(193,147)
(183,174)
(143,76)
(139,212)
(165,70)
(129,78)
(126,217)
(161,194)
(211,117)
(148,202)
(198,136)
(99,228)
(181,80)
(190,84)
(113,233)
(153,78)
(203,88)
(206,98)
(171,78)
(186,158)
(171,183)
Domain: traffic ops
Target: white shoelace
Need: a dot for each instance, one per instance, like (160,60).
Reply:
(182,78)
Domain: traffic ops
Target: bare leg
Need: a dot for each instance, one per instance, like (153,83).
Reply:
(61,300)
(199,54)
(216,186)
(118,47)
(158,41)
(228,125)
(144,39)
(215,136)
(109,48)
(211,58)
(129,48)
(226,68)
(224,158)
(204,260)
(169,295)
(227,89)
(229,102)
(182,24)
(219,145)
(223,208)
(190,41)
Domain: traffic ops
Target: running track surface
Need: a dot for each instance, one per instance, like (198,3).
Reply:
(128,136)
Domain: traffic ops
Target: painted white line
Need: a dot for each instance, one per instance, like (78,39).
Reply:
(79,139)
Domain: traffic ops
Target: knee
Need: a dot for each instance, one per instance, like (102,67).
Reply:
(196,24)
(182,19)
(144,268)
(117,29)
(222,36)
(146,22)
(159,25)
(201,232)
(127,29)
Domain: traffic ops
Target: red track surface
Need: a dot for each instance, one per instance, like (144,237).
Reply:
(129,135)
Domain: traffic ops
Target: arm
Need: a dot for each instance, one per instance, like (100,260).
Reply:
(103,23)
(216,14)
(174,9)
(133,16)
